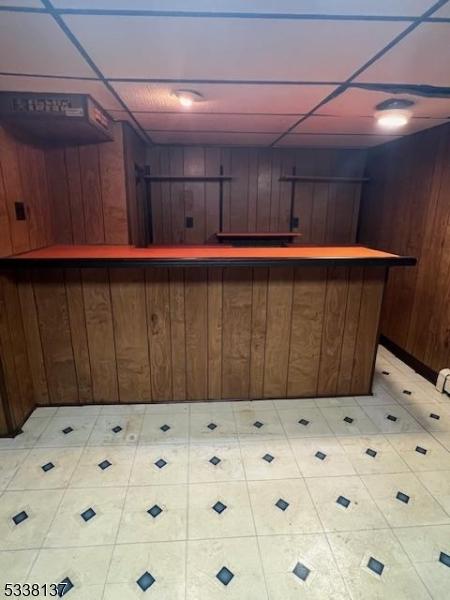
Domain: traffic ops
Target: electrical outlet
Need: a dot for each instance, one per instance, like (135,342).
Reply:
(19,207)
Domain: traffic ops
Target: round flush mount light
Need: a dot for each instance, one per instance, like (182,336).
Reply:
(393,113)
(187,97)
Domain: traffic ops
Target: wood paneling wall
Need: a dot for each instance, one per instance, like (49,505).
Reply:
(406,210)
(255,200)
(155,334)
(23,179)
(88,196)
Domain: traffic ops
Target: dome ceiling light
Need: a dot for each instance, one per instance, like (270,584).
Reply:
(393,113)
(187,97)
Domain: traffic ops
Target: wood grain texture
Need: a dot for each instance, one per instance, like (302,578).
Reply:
(131,340)
(160,335)
(237,321)
(405,208)
(100,335)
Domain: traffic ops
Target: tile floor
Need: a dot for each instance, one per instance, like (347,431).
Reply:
(286,499)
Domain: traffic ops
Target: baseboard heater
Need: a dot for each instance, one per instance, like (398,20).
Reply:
(443,382)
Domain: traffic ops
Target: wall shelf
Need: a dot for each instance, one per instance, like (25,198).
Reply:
(323,179)
(174,178)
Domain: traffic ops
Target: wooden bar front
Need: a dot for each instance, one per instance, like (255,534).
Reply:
(107,335)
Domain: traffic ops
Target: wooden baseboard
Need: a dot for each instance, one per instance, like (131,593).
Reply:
(409,359)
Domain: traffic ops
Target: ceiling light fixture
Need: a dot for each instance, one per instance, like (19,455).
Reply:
(393,113)
(187,97)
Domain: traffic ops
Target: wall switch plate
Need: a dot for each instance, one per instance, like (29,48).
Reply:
(19,207)
(189,222)
(295,222)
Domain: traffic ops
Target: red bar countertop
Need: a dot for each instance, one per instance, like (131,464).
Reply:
(107,255)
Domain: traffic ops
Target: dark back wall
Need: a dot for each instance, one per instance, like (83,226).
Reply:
(255,200)
(406,209)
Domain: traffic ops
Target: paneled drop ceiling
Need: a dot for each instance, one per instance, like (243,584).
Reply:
(271,72)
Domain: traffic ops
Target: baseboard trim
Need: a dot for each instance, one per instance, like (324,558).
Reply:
(409,359)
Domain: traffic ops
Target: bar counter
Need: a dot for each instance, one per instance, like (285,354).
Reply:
(117,324)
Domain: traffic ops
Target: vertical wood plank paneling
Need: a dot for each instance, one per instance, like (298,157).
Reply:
(56,338)
(159,334)
(32,337)
(239,189)
(77,320)
(17,406)
(215,332)
(130,334)
(100,334)
(264,190)
(366,341)
(306,330)
(6,247)
(174,228)
(13,191)
(333,330)
(72,158)
(350,330)
(237,319)
(92,194)
(212,219)
(258,328)
(279,309)
(177,333)
(59,196)
(194,164)
(196,307)
(113,192)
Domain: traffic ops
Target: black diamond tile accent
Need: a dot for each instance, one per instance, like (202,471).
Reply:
(258,424)
(67,430)
(160,463)
(371,452)
(145,581)
(407,392)
(385,372)
(421,450)
(225,576)
(20,517)
(402,497)
(165,428)
(104,464)
(375,565)
(343,501)
(154,511)
(348,419)
(47,467)
(301,571)
(282,504)
(64,587)
(212,426)
(303,422)
(219,507)
(391,418)
(117,428)
(444,559)
(214,460)
(88,514)
(320,455)
(434,416)
(268,458)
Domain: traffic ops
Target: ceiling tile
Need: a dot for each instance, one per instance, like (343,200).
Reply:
(444,12)
(34,44)
(256,49)
(336,7)
(334,141)
(214,122)
(96,89)
(357,102)
(422,57)
(360,125)
(22,3)
(226,98)
(212,139)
